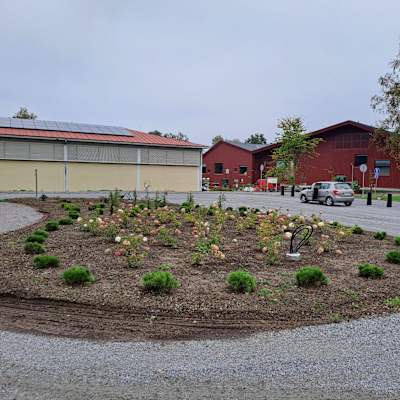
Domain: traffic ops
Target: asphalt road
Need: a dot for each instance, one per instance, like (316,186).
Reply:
(374,218)
(356,360)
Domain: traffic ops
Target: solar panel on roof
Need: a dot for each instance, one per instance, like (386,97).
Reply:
(62,126)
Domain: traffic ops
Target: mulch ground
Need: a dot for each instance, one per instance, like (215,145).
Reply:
(116,307)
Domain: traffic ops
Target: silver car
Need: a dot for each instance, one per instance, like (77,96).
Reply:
(329,193)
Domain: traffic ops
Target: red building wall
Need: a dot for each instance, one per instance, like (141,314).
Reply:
(232,157)
(337,154)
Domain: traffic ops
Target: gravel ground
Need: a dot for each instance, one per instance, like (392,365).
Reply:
(15,216)
(373,218)
(355,360)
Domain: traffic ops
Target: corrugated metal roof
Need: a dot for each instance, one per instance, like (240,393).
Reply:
(136,137)
(246,146)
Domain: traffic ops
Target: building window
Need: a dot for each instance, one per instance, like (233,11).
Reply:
(225,183)
(384,166)
(359,160)
(243,169)
(218,168)
(352,140)
(204,168)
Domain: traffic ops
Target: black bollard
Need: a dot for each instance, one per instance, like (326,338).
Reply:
(369,198)
(389,200)
(282,190)
(292,191)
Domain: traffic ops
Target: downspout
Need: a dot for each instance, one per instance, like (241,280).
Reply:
(66,183)
(138,172)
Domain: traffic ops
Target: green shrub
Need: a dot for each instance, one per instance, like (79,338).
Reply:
(51,226)
(357,230)
(73,214)
(41,232)
(380,235)
(265,293)
(35,238)
(71,207)
(370,271)
(397,240)
(211,211)
(241,282)
(46,261)
(160,281)
(197,258)
(65,221)
(77,274)
(34,248)
(393,257)
(393,302)
(165,237)
(311,276)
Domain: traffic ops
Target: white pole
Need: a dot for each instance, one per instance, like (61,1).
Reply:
(363,183)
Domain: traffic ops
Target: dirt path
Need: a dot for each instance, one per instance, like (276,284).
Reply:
(15,216)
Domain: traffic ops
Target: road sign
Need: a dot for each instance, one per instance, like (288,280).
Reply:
(377,172)
(363,168)
(262,167)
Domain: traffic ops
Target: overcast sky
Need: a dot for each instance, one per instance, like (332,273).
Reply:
(229,67)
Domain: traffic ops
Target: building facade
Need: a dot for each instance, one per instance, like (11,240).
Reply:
(229,165)
(79,161)
(343,148)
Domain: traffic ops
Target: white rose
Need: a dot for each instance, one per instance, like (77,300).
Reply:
(118,239)
(145,239)
(321,224)
(90,221)
(79,219)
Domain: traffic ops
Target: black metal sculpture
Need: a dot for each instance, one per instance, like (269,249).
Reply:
(307,231)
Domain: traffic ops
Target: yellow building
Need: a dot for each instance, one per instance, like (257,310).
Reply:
(79,157)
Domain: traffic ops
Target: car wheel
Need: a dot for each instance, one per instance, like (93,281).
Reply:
(347,203)
(303,198)
(329,201)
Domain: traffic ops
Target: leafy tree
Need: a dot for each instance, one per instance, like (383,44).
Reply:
(217,138)
(23,113)
(387,135)
(257,138)
(178,136)
(294,144)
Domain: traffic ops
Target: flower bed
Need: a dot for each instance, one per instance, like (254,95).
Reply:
(199,247)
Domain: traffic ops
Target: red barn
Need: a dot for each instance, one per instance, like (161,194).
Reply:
(229,164)
(344,148)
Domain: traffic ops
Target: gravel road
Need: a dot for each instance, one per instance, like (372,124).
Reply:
(15,216)
(374,218)
(355,360)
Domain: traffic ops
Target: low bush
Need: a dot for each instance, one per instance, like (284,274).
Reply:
(357,230)
(393,257)
(34,248)
(370,271)
(41,232)
(73,214)
(160,282)
(66,221)
(166,239)
(380,235)
(241,282)
(51,226)
(70,207)
(397,240)
(77,274)
(35,238)
(393,302)
(45,261)
(311,276)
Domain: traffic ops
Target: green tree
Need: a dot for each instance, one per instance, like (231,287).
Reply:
(387,135)
(217,139)
(23,113)
(294,144)
(257,138)
(178,136)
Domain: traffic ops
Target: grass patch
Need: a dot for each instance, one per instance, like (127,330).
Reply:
(66,221)
(393,257)
(357,230)
(393,302)
(311,276)
(380,235)
(241,282)
(370,271)
(77,274)
(51,226)
(41,232)
(34,248)
(160,282)
(35,238)
(45,261)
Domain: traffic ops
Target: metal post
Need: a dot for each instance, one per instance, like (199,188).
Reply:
(369,198)
(292,191)
(282,190)
(389,200)
(36,184)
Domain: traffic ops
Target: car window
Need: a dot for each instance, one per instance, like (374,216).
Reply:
(325,186)
(342,186)
(317,185)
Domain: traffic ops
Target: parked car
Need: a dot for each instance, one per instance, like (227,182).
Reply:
(329,193)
